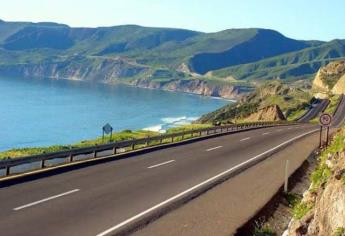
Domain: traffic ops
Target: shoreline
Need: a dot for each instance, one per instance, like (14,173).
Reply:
(114,83)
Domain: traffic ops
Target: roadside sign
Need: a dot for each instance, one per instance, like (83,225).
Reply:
(107,129)
(325,119)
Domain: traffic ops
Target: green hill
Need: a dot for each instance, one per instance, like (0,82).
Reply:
(290,99)
(133,54)
(294,65)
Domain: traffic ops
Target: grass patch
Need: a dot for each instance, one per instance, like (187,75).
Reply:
(339,232)
(121,136)
(296,114)
(188,127)
(263,229)
(293,199)
(116,137)
(320,176)
(334,100)
(322,173)
(301,209)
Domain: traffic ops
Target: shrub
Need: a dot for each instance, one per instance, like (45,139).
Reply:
(301,209)
(263,229)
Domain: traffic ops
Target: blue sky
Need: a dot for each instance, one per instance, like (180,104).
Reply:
(301,19)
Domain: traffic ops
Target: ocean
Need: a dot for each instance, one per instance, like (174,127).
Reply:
(43,112)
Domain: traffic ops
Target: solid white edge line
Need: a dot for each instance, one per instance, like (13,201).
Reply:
(245,139)
(199,185)
(211,149)
(164,163)
(45,200)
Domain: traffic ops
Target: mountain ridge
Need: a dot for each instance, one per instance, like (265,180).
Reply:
(245,56)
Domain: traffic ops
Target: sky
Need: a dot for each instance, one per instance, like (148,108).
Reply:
(299,19)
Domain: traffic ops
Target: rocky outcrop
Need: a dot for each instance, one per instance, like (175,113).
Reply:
(339,87)
(195,86)
(330,78)
(269,113)
(330,210)
(328,214)
(265,103)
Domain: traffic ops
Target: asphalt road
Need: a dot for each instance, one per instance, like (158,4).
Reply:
(106,198)
(314,111)
(338,118)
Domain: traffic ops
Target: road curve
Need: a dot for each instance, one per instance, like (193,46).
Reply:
(314,111)
(106,198)
(339,116)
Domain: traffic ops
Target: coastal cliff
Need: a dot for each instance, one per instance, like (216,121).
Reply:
(195,86)
(120,71)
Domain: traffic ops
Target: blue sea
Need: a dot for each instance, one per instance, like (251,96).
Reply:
(42,112)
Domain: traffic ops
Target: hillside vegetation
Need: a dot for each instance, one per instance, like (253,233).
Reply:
(321,211)
(161,57)
(272,97)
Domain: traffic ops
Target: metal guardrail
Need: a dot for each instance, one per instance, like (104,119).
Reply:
(71,155)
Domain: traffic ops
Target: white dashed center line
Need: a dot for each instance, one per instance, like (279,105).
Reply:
(215,148)
(161,164)
(245,139)
(45,200)
(266,133)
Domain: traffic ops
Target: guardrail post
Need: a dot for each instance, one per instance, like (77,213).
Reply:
(172,139)
(200,133)
(42,164)
(71,158)
(133,146)
(286,182)
(95,154)
(160,141)
(8,172)
(207,132)
(114,150)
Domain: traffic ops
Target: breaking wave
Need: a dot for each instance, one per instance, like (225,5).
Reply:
(171,122)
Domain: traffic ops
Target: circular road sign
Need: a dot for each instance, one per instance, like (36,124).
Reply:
(325,119)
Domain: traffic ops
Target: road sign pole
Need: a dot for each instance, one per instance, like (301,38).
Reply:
(325,121)
(320,143)
(107,129)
